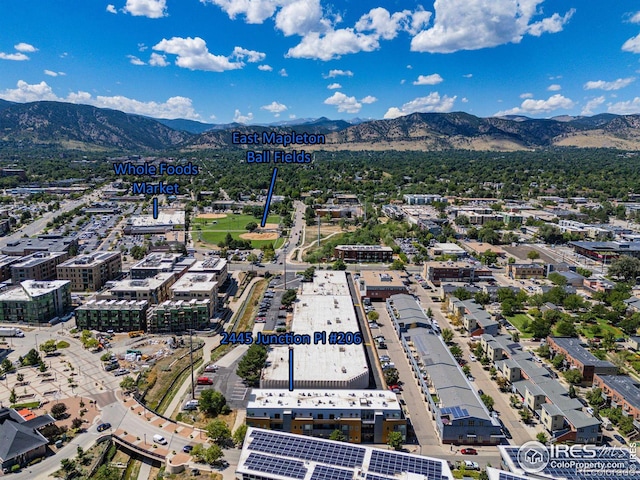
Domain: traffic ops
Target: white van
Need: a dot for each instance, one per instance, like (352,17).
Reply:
(190,405)
(159,439)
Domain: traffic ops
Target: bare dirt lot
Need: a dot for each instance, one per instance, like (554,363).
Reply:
(259,236)
(212,216)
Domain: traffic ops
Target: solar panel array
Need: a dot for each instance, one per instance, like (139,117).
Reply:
(341,455)
(371,476)
(389,463)
(456,412)
(276,466)
(509,476)
(598,470)
(322,472)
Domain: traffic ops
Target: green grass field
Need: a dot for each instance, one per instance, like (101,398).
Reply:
(518,321)
(214,231)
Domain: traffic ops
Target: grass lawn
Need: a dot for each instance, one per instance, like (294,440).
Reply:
(214,231)
(518,321)
(604,328)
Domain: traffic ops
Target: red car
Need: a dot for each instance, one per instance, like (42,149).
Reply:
(469,451)
(395,388)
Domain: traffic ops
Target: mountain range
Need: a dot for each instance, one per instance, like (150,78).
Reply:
(84,127)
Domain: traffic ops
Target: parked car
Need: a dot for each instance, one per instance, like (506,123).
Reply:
(204,381)
(159,439)
(104,426)
(620,439)
(187,448)
(469,451)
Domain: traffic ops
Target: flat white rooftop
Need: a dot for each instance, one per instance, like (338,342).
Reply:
(323,399)
(323,306)
(195,282)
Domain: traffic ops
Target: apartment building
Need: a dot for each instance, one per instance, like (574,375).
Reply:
(35,301)
(445,272)
(520,271)
(116,315)
(175,316)
(37,266)
(41,243)
(154,290)
(621,391)
(475,318)
(90,272)
(363,253)
(198,286)
(576,356)
(363,416)
(381,285)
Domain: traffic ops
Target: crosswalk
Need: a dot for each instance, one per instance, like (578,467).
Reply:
(239,391)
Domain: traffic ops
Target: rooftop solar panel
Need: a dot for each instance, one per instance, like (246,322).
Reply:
(276,466)
(307,449)
(371,476)
(322,472)
(509,476)
(389,463)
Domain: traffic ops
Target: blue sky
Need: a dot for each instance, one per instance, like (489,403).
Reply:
(262,61)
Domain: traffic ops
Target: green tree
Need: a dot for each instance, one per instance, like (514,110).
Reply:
(566,328)
(106,472)
(337,436)
(391,376)
(31,358)
(48,347)
(7,366)
(308,274)
(533,255)
(488,401)
(447,335)
(394,440)
(128,384)
(397,265)
(289,297)
(58,410)
(12,396)
(373,315)
(557,279)
(625,267)
(540,328)
(251,226)
(240,434)
(462,294)
(218,431)
(213,403)
(542,438)
(252,363)
(456,351)
(525,415)
(558,361)
(339,265)
(573,376)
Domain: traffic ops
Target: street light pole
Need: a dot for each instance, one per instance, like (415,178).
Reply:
(193,390)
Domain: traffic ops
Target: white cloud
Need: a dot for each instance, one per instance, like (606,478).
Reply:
(476,24)
(464,100)
(299,17)
(432,79)
(193,54)
(238,117)
(275,108)
(25,48)
(174,107)
(283,73)
(403,81)
(251,55)
(632,45)
(18,57)
(338,73)
(265,68)
(552,24)
(537,107)
(603,85)
(526,95)
(554,87)
(368,99)
(344,103)
(410,67)
(334,86)
(142,47)
(28,93)
(431,103)
(111,9)
(255,11)
(382,23)
(51,73)
(625,108)
(468,75)
(591,105)
(635,18)
(333,44)
(146,8)
(135,60)
(157,60)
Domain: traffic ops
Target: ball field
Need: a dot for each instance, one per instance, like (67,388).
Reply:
(212,228)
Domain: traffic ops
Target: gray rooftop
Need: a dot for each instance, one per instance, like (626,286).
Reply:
(625,386)
(578,352)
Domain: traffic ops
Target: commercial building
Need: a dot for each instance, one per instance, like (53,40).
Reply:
(270,455)
(153,290)
(198,286)
(324,305)
(35,301)
(541,393)
(161,262)
(179,316)
(363,416)
(621,391)
(22,441)
(166,221)
(422,199)
(363,253)
(605,252)
(444,272)
(381,285)
(438,249)
(520,271)
(475,318)
(37,266)
(460,415)
(6,261)
(42,243)
(116,315)
(90,272)
(576,356)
